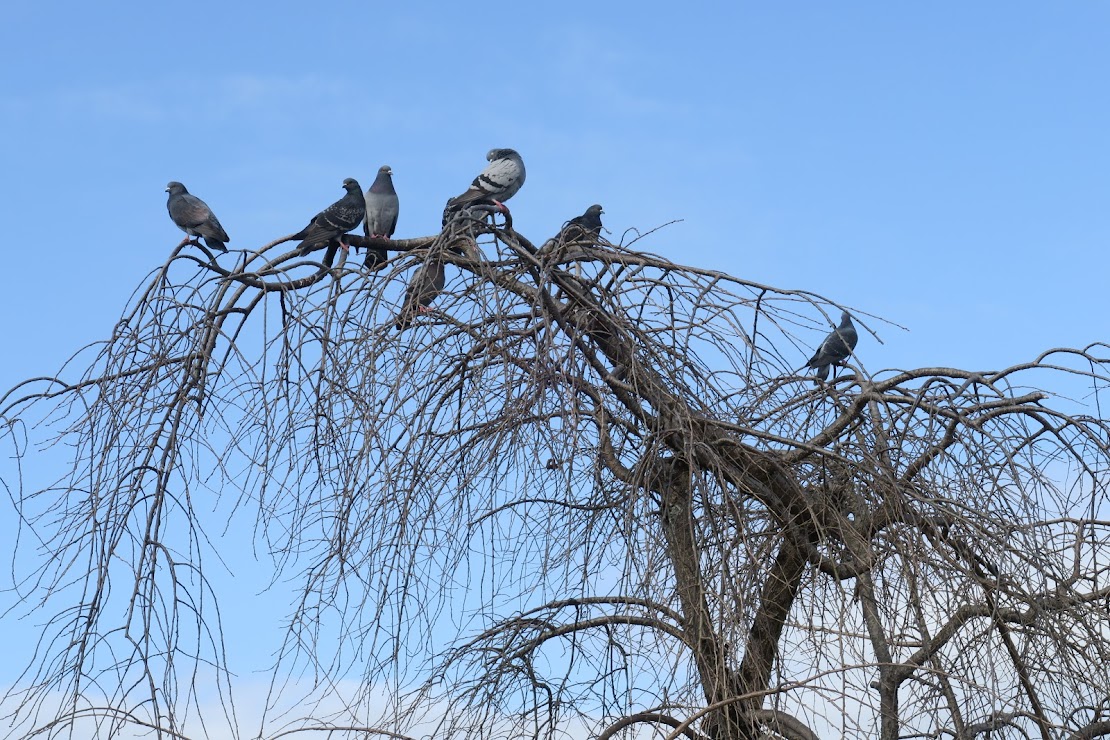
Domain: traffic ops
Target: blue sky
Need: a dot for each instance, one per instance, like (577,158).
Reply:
(945,165)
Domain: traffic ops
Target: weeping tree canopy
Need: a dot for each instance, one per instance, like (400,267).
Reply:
(588,494)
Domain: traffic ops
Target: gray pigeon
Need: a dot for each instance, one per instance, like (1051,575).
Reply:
(193,216)
(499,181)
(586,227)
(382,207)
(330,225)
(836,348)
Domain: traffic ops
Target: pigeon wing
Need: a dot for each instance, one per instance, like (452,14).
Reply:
(836,348)
(344,214)
(213,231)
(189,211)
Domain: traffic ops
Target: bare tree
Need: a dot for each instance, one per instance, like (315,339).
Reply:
(587,494)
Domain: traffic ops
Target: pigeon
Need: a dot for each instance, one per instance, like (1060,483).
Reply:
(330,225)
(499,181)
(426,284)
(586,227)
(836,348)
(381,214)
(193,216)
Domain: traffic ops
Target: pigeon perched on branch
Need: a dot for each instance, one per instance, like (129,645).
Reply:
(193,216)
(330,225)
(427,283)
(382,207)
(499,181)
(586,227)
(836,348)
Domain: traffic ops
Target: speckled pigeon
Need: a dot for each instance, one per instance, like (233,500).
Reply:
(586,227)
(193,216)
(330,225)
(499,181)
(382,207)
(836,348)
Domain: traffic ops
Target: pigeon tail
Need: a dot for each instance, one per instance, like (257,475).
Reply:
(470,197)
(375,258)
(311,244)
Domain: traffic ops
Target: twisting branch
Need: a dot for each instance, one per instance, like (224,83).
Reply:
(584,491)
